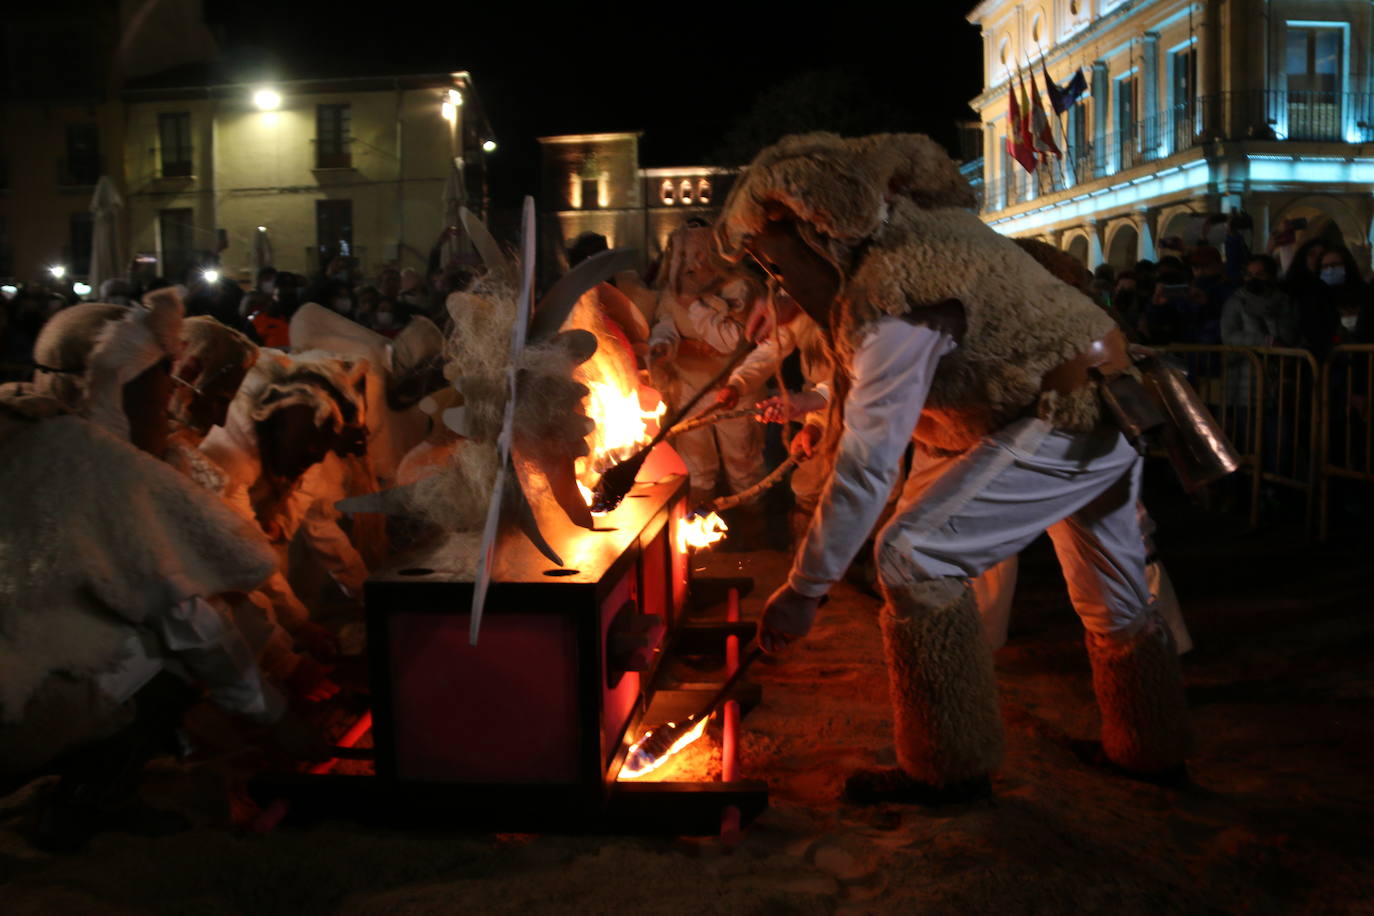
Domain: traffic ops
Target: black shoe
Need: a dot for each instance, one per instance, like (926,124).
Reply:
(1091,753)
(892,784)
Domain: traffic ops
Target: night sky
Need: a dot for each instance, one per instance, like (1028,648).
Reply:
(683,77)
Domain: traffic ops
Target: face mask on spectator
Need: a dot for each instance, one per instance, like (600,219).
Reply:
(384,320)
(1333,276)
(1349,321)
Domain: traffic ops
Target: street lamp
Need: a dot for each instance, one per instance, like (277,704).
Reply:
(57,271)
(488,146)
(81,289)
(211,276)
(267,99)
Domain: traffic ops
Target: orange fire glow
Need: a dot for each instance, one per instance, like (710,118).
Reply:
(635,766)
(700,531)
(622,423)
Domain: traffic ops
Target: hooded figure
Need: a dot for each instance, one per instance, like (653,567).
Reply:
(295,440)
(945,331)
(700,323)
(111,560)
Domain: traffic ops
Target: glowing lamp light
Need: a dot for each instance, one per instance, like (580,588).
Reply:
(455,98)
(267,99)
(81,289)
(449,112)
(211,276)
(57,271)
(262,228)
(9,290)
(488,146)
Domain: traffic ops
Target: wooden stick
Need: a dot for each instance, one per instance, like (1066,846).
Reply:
(743,496)
(706,419)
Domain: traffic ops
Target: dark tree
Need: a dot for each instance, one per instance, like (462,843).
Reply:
(833,99)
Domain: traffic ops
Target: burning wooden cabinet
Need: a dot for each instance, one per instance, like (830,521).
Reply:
(536,713)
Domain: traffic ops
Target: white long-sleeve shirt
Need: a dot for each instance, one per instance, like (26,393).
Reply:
(892,371)
(763,361)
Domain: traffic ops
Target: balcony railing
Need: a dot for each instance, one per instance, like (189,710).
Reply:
(175,161)
(1259,115)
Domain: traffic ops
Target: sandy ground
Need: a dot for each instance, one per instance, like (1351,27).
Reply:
(1278,819)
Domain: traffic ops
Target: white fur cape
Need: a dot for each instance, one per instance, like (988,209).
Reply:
(97,536)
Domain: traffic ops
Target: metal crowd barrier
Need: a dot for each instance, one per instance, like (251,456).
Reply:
(1289,422)
(1347,435)
(1294,422)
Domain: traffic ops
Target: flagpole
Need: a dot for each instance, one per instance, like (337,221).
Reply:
(1063,138)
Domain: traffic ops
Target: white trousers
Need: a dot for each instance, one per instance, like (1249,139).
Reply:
(987,505)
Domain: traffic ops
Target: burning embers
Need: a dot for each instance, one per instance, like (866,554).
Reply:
(699,531)
(623,425)
(659,745)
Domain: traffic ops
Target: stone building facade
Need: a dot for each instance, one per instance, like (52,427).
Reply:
(361,167)
(1194,108)
(594,183)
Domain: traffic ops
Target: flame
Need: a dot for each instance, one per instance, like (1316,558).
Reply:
(613,402)
(698,531)
(633,768)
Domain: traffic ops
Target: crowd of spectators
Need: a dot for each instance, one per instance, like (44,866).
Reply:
(1311,296)
(385,303)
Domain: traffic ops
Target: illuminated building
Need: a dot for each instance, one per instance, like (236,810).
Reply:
(356,166)
(594,183)
(62,120)
(203,155)
(1192,108)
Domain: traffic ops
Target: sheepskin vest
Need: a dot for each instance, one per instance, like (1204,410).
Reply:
(1020,322)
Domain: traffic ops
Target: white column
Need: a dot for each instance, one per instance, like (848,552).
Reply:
(1145,245)
(1149,80)
(1102,112)
(1094,243)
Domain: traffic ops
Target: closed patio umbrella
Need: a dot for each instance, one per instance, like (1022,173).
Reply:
(106,260)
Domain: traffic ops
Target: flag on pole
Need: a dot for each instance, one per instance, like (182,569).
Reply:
(1018,145)
(1075,89)
(1053,91)
(1040,123)
(1025,135)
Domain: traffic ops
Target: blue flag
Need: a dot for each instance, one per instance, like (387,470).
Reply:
(1074,90)
(1053,91)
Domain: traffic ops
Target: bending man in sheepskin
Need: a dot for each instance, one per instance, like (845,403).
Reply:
(946,331)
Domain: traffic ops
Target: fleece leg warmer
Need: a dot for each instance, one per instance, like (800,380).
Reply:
(1139,688)
(947,726)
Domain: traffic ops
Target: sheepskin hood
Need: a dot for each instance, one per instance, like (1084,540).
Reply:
(87,353)
(839,187)
(332,386)
(216,348)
